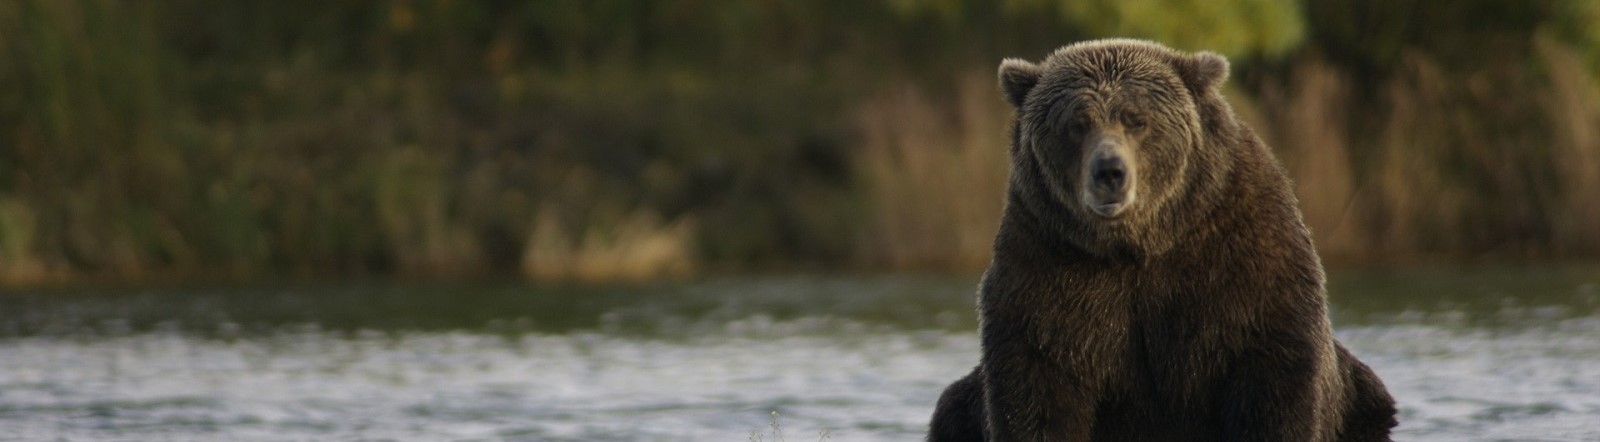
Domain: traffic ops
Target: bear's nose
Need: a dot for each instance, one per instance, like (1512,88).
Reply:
(1109,172)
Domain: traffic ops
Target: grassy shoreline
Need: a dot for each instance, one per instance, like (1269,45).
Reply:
(608,141)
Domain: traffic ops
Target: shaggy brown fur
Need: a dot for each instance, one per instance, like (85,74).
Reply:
(1152,279)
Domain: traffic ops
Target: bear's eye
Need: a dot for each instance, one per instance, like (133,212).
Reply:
(1078,124)
(1133,121)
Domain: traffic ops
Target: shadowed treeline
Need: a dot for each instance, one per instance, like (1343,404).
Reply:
(609,139)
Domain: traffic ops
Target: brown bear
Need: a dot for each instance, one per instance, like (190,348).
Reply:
(1152,279)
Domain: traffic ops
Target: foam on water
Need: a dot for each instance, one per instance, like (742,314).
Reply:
(435,386)
(1539,383)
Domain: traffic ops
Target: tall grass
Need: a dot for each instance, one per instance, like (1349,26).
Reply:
(1306,122)
(1463,163)
(1493,161)
(1571,98)
(85,117)
(18,262)
(934,173)
(641,247)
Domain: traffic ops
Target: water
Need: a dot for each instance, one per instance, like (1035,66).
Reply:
(1475,354)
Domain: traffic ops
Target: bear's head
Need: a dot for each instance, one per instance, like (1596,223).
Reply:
(1115,143)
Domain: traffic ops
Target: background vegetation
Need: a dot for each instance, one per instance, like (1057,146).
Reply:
(612,139)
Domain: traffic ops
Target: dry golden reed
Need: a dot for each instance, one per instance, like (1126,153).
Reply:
(933,175)
(640,247)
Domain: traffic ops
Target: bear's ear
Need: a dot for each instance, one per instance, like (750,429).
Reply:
(1203,71)
(1017,77)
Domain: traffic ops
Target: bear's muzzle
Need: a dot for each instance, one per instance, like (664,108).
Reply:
(1108,190)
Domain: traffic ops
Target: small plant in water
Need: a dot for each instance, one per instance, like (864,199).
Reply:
(777,431)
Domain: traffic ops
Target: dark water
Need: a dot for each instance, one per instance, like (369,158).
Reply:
(1471,354)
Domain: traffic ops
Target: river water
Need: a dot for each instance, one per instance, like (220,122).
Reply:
(1470,354)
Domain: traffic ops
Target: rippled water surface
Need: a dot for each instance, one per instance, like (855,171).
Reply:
(1471,354)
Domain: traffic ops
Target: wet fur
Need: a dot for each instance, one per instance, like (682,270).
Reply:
(1200,315)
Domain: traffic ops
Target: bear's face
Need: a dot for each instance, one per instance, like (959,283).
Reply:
(1110,133)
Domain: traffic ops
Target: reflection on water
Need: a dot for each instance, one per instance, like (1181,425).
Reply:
(655,311)
(1483,354)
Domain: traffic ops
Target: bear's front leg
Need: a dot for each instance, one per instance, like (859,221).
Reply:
(959,415)
(1031,395)
(1281,390)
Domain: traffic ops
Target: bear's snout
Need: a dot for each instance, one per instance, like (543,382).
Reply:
(1109,172)
(1110,178)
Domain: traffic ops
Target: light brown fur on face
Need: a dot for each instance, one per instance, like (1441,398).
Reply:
(1108,169)
(1152,279)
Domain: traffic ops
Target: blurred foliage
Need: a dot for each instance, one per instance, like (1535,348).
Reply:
(620,139)
(1232,27)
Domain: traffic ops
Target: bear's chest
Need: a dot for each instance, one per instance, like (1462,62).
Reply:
(1157,345)
(1164,381)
